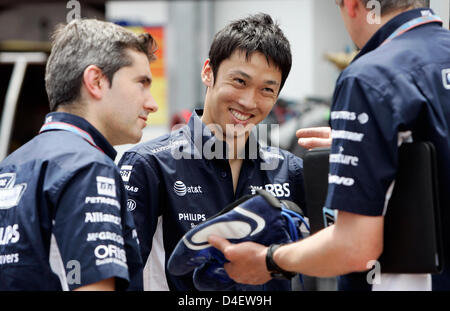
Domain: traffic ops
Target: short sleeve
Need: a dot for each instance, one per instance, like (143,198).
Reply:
(142,184)
(364,149)
(92,229)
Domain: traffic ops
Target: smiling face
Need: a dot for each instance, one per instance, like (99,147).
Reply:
(243,92)
(128,101)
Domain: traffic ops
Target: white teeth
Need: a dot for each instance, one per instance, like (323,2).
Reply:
(239,116)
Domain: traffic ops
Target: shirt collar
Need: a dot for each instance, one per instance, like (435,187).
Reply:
(196,126)
(82,124)
(387,29)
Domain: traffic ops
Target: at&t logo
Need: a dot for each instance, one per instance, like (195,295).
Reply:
(180,189)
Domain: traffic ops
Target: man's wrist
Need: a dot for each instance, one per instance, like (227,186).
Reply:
(275,270)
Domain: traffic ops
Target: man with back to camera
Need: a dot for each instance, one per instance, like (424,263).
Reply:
(180,179)
(62,191)
(398,84)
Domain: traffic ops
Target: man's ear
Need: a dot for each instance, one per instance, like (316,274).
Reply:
(207,74)
(94,81)
(351,6)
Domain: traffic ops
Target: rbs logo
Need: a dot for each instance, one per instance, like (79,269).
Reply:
(277,190)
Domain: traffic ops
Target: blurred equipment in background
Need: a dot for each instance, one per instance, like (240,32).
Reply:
(293,115)
(341,59)
(25,29)
(180,118)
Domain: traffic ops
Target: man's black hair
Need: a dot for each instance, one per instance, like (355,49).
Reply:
(255,33)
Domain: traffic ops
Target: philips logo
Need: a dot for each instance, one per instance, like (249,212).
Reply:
(446,78)
(181,190)
(9,234)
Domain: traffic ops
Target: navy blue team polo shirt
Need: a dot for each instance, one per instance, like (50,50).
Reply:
(174,185)
(400,86)
(63,186)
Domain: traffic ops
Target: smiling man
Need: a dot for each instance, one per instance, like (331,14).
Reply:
(61,193)
(179,180)
(394,91)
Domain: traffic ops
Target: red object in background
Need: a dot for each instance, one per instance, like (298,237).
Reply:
(181,117)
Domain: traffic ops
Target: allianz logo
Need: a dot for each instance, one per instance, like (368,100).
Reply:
(181,189)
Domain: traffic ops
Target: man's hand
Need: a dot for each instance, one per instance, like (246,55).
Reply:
(314,137)
(247,260)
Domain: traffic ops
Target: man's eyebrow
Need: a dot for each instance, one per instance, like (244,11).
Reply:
(271,82)
(147,79)
(245,75)
(240,72)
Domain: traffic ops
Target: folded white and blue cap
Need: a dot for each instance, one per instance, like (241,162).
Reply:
(258,218)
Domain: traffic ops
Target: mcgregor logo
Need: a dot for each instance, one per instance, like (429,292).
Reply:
(180,188)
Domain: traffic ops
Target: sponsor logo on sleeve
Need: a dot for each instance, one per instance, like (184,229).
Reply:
(102,200)
(363,118)
(171,146)
(105,235)
(9,258)
(110,253)
(343,158)
(339,180)
(131,205)
(343,115)
(353,136)
(106,186)
(132,188)
(10,194)
(446,78)
(9,234)
(101,217)
(125,172)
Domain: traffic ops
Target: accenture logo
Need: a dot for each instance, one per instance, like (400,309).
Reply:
(180,188)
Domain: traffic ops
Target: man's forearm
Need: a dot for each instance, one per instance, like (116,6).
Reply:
(335,250)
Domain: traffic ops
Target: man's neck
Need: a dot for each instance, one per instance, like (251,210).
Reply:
(371,29)
(81,110)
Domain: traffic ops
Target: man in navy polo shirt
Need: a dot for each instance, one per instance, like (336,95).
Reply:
(181,179)
(61,195)
(396,89)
